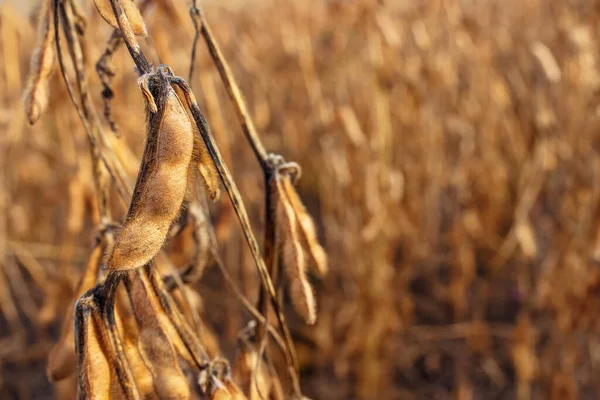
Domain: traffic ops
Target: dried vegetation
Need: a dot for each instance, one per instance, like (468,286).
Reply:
(449,158)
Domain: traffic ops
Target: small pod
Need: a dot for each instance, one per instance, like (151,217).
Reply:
(43,61)
(161,184)
(131,12)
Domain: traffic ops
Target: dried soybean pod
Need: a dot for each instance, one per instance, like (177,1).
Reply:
(185,340)
(193,317)
(155,347)
(94,380)
(201,157)
(293,257)
(161,184)
(129,332)
(42,65)
(131,11)
(308,233)
(62,359)
(167,326)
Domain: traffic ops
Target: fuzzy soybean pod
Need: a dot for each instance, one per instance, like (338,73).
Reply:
(130,335)
(155,346)
(162,181)
(95,376)
(43,61)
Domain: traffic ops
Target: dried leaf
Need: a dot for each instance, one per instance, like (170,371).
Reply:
(293,257)
(129,332)
(94,369)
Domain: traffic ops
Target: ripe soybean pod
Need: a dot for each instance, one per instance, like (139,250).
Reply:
(162,181)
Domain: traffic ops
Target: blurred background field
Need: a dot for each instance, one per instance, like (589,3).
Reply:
(450,158)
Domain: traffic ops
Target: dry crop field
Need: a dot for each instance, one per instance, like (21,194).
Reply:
(277,199)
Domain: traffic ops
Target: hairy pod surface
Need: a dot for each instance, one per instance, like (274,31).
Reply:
(42,66)
(131,11)
(62,359)
(293,256)
(161,185)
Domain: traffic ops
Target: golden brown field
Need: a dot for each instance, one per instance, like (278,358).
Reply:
(449,154)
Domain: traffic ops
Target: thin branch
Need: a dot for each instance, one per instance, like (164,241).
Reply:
(234,287)
(232,89)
